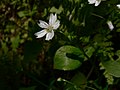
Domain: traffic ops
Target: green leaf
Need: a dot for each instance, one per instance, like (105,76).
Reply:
(109,77)
(112,67)
(77,82)
(63,62)
(55,10)
(89,51)
(22,13)
(15,42)
(118,54)
(4,47)
(118,30)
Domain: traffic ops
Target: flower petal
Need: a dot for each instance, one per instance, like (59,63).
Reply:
(91,1)
(110,25)
(97,2)
(52,19)
(118,6)
(40,33)
(56,24)
(43,24)
(49,35)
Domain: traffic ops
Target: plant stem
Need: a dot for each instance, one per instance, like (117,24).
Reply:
(90,72)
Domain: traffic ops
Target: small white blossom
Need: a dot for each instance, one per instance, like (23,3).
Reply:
(110,25)
(118,6)
(48,28)
(96,2)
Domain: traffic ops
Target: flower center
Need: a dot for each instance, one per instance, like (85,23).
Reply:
(49,29)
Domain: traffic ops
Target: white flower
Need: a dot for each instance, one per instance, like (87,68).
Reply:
(48,28)
(96,2)
(118,6)
(110,25)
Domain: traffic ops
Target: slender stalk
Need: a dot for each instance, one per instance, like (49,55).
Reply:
(97,15)
(90,72)
(91,88)
(39,81)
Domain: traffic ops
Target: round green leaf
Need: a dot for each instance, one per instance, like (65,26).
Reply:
(63,62)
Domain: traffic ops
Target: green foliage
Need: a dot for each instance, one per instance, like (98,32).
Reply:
(112,67)
(58,11)
(109,77)
(84,50)
(15,42)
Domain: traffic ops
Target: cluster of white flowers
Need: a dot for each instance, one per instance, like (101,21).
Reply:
(96,2)
(48,28)
(54,23)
